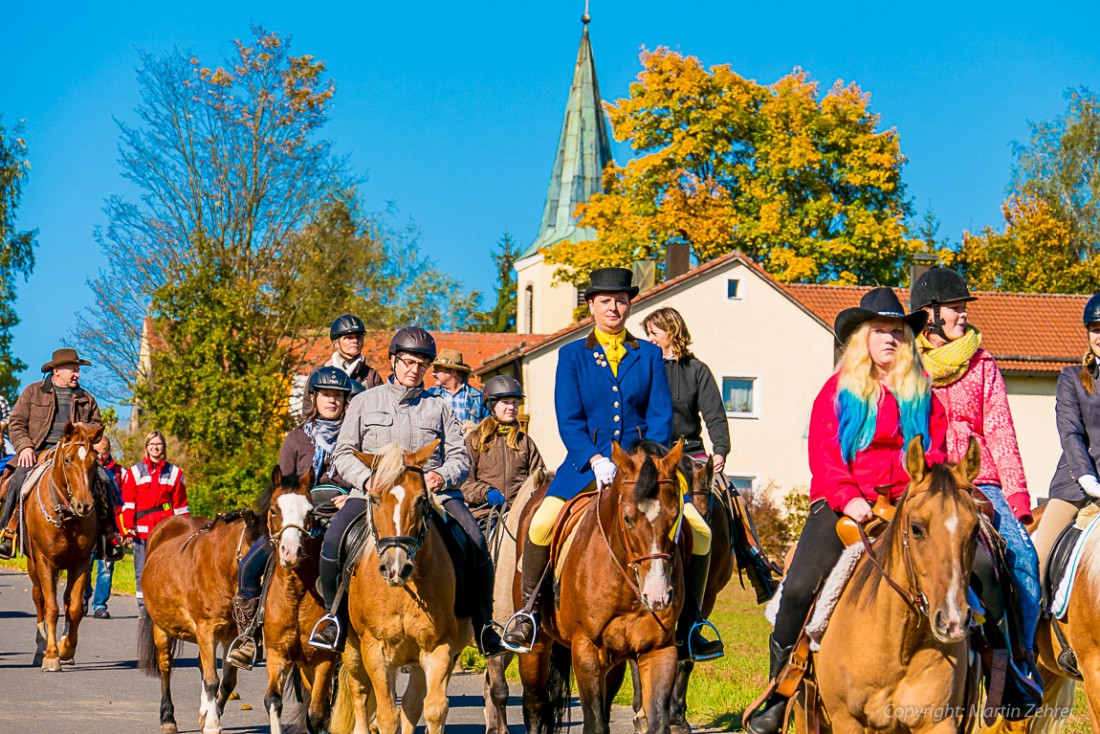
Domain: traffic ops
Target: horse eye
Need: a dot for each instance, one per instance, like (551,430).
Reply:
(917,531)
(629,521)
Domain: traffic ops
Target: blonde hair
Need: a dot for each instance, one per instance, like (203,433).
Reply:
(859,376)
(488,430)
(669,320)
(388,467)
(149,437)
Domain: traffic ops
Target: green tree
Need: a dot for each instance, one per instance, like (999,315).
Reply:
(503,315)
(16,250)
(805,184)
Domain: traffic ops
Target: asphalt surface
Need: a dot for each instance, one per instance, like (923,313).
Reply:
(104,693)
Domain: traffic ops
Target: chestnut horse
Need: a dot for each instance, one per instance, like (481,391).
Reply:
(621,591)
(61,531)
(401,602)
(293,605)
(895,659)
(189,580)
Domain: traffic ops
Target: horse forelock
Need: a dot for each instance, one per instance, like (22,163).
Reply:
(388,468)
(647,485)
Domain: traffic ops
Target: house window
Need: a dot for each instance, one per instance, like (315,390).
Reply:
(742,484)
(529,308)
(733,289)
(739,395)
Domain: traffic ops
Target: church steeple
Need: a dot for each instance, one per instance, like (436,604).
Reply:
(584,149)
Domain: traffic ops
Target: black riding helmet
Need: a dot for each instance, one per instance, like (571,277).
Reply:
(344,325)
(413,339)
(329,378)
(1091,314)
(936,286)
(498,388)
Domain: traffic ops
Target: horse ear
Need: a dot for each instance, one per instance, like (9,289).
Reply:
(674,456)
(704,475)
(971,462)
(97,434)
(420,458)
(367,459)
(915,463)
(276,477)
(305,481)
(68,431)
(620,457)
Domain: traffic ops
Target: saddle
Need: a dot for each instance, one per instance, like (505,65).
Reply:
(1060,569)
(882,513)
(752,561)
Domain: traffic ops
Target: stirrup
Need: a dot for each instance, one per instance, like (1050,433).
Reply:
(235,645)
(701,658)
(497,627)
(6,534)
(511,625)
(314,639)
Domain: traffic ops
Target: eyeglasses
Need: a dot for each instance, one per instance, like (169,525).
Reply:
(413,364)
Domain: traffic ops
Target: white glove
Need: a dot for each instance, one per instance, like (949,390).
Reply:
(605,471)
(1090,485)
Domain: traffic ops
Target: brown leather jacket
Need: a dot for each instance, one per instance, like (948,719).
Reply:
(499,468)
(33,414)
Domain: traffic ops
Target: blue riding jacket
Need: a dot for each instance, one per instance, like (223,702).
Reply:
(595,407)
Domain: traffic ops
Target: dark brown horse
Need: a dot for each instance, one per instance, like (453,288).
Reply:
(189,581)
(621,590)
(293,605)
(61,531)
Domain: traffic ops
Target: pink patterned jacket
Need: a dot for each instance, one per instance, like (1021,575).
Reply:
(977,405)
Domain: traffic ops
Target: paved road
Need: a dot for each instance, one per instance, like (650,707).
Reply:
(105,694)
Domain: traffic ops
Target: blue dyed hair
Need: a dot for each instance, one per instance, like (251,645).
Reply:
(857,417)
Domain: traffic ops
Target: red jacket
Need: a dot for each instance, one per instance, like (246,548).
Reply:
(881,463)
(151,493)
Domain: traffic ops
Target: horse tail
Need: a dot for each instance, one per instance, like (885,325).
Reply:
(1058,695)
(559,686)
(342,720)
(147,648)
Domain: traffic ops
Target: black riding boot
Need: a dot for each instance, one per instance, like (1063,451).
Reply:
(328,582)
(769,718)
(488,639)
(533,562)
(691,616)
(7,518)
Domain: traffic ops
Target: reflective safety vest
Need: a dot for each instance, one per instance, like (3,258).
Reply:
(151,493)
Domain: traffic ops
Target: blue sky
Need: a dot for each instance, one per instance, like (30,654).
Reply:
(452,110)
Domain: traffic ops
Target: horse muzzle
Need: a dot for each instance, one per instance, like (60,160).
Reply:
(949,626)
(83,509)
(395,567)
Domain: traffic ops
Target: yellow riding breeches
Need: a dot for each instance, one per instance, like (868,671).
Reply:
(542,525)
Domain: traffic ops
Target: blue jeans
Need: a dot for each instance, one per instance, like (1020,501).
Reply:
(1021,557)
(139,566)
(101,579)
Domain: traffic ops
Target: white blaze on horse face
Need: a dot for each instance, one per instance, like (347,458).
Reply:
(398,493)
(650,508)
(82,453)
(656,589)
(952,524)
(956,590)
(295,509)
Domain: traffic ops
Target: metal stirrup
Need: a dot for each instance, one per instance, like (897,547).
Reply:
(235,645)
(313,635)
(510,626)
(700,658)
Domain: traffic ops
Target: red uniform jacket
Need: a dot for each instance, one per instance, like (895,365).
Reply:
(151,493)
(882,463)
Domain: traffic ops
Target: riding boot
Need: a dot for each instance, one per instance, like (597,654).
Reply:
(768,719)
(690,643)
(8,517)
(243,654)
(488,639)
(533,562)
(328,583)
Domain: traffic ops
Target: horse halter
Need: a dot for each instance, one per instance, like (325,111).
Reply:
(277,537)
(408,543)
(62,504)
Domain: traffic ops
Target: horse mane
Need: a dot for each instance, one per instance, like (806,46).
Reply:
(943,483)
(253,520)
(263,502)
(389,466)
(649,448)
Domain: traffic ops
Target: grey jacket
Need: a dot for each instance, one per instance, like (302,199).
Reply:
(1078,415)
(410,417)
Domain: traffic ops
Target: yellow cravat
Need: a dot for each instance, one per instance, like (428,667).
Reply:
(613,348)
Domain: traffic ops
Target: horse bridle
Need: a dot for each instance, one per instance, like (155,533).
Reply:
(913,596)
(408,543)
(61,507)
(313,532)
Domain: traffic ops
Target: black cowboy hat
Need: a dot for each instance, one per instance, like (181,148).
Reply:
(877,303)
(611,280)
(62,357)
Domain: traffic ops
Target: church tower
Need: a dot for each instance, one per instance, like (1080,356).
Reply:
(584,149)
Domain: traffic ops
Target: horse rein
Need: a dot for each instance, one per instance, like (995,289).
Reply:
(409,543)
(913,596)
(61,508)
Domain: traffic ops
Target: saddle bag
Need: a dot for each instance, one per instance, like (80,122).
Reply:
(748,552)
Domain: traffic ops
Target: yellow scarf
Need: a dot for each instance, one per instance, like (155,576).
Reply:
(613,348)
(950,362)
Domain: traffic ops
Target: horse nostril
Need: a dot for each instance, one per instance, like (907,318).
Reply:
(406,570)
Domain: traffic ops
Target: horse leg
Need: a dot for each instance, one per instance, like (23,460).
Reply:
(496,694)
(164,666)
(273,696)
(383,678)
(209,715)
(678,709)
(320,707)
(638,705)
(227,685)
(412,700)
(40,613)
(437,665)
(534,672)
(74,611)
(47,579)
(591,685)
(615,678)
(658,672)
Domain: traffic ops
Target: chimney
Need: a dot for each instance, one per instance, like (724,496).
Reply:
(920,264)
(677,259)
(645,274)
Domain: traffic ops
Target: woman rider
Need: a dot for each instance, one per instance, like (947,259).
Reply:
(694,392)
(502,455)
(400,411)
(861,423)
(968,383)
(308,447)
(1077,409)
(609,387)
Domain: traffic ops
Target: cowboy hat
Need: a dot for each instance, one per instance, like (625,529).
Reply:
(877,303)
(611,280)
(451,359)
(64,356)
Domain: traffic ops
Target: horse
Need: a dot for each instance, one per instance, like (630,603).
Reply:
(620,593)
(293,605)
(894,657)
(401,601)
(502,547)
(189,580)
(61,532)
(722,565)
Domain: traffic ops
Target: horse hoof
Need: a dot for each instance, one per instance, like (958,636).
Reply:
(51,665)
(680,728)
(68,661)
(169,729)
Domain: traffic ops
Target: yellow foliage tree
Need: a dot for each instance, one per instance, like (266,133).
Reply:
(805,185)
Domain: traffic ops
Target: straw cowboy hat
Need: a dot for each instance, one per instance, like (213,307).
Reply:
(451,359)
(63,357)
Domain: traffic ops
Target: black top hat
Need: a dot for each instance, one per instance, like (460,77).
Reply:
(877,303)
(611,280)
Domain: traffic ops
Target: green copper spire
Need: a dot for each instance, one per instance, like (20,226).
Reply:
(583,150)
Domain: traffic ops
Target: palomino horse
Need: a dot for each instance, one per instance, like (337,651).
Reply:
(621,591)
(62,530)
(502,546)
(189,580)
(401,602)
(894,657)
(722,565)
(293,605)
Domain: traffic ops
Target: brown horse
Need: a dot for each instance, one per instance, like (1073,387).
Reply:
(895,659)
(293,605)
(620,594)
(189,580)
(401,605)
(61,531)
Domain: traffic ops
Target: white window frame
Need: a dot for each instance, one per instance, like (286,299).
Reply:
(755,414)
(751,476)
(740,291)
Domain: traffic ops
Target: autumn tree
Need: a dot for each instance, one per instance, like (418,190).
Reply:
(16,250)
(803,183)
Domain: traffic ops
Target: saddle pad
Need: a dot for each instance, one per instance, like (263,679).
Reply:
(1068,568)
(33,477)
(563,551)
(829,596)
